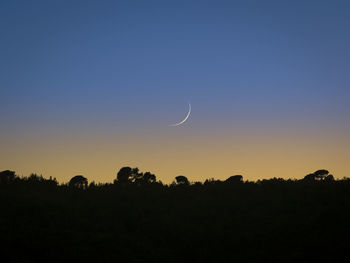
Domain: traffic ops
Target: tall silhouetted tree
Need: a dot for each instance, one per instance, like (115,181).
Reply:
(78,181)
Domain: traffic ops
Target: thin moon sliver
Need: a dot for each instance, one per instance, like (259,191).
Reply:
(184,120)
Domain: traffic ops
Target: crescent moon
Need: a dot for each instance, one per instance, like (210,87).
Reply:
(188,115)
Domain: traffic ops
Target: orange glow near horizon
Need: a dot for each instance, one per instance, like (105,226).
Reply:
(198,156)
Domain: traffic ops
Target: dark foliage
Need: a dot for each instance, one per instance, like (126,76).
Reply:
(319,175)
(78,181)
(182,180)
(7,177)
(235,179)
(137,219)
(127,175)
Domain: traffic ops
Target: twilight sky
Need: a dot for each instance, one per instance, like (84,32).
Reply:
(87,87)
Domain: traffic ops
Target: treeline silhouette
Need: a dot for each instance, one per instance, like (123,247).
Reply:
(139,219)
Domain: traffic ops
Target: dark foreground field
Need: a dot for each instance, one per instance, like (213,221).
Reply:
(267,221)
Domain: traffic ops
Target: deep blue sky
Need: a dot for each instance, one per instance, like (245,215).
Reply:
(128,64)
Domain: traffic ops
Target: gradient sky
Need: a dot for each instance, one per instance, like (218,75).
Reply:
(87,87)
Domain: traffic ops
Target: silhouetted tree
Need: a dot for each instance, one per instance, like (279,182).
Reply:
(78,181)
(319,175)
(34,178)
(7,177)
(144,178)
(310,177)
(234,179)
(126,175)
(329,178)
(133,175)
(53,181)
(182,180)
(149,177)
(212,181)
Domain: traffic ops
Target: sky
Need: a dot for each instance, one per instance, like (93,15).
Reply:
(88,87)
